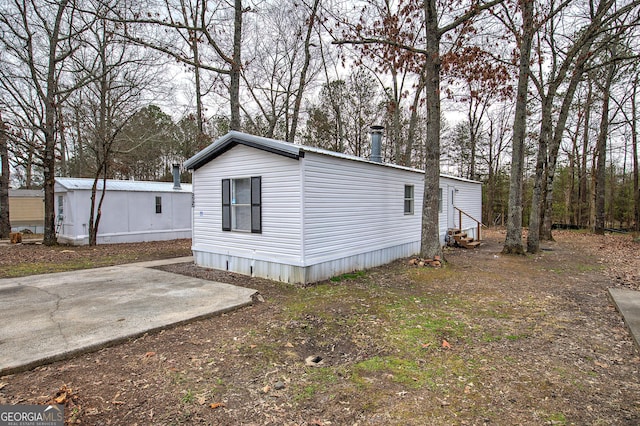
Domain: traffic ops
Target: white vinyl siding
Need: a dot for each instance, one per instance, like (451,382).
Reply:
(467,196)
(281,229)
(353,207)
(127,216)
(322,214)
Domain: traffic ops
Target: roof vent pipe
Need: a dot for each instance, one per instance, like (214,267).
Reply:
(176,177)
(376,143)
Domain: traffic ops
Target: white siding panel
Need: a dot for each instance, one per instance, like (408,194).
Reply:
(443,216)
(281,228)
(352,208)
(468,198)
(470,201)
(322,215)
(127,216)
(297,274)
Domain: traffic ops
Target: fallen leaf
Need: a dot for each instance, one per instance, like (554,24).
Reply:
(149,354)
(601,364)
(425,345)
(266,389)
(445,344)
(288,345)
(215,405)
(62,395)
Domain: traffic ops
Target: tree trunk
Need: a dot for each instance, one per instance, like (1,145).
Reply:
(49,157)
(602,154)
(584,209)
(634,141)
(490,186)
(49,166)
(558,133)
(303,74)
(236,67)
(533,237)
(62,146)
(513,240)
(5,222)
(430,243)
(413,123)
(394,132)
(198,83)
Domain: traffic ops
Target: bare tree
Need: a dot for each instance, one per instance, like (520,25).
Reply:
(601,147)
(636,175)
(631,120)
(498,132)
(606,18)
(5,222)
(39,40)
(202,25)
(427,48)
(119,74)
(513,240)
(283,63)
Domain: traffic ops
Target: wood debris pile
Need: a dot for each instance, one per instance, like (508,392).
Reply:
(436,262)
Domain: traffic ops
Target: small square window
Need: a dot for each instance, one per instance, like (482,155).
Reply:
(158,205)
(408,199)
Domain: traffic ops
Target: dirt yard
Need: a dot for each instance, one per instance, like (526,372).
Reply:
(488,339)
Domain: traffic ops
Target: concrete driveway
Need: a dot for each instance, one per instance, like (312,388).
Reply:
(45,318)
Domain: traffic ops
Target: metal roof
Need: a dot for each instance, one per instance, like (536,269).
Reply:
(122,185)
(26,193)
(286,149)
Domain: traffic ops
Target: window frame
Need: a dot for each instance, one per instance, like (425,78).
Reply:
(158,204)
(237,206)
(409,201)
(60,206)
(230,206)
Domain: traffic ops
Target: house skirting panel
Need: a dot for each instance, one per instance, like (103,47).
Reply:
(303,274)
(127,237)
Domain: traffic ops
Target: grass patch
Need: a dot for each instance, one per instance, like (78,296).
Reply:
(427,275)
(26,269)
(440,369)
(557,419)
(188,397)
(315,381)
(349,276)
(590,267)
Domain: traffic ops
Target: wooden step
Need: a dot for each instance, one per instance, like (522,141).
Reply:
(461,239)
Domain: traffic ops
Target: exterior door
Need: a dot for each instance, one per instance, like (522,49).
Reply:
(451,212)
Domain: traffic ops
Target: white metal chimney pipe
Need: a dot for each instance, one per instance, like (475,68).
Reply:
(376,143)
